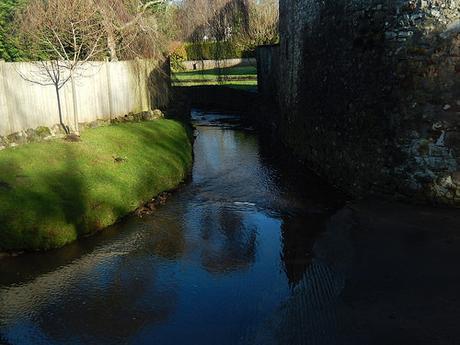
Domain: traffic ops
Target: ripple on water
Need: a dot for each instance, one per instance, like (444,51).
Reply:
(215,265)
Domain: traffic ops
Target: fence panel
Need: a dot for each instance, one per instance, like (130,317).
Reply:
(99,90)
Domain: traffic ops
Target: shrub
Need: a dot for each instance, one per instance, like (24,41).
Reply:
(216,50)
(178,54)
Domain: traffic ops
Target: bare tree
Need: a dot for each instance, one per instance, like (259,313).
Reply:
(61,36)
(248,23)
(216,20)
(131,28)
(263,25)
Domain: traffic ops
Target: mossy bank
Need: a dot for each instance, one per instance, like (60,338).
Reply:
(52,193)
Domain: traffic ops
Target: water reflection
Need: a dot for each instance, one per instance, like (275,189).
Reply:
(107,295)
(310,315)
(116,305)
(299,234)
(212,266)
(227,242)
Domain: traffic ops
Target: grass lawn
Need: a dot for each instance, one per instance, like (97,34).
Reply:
(53,192)
(231,72)
(246,85)
(244,78)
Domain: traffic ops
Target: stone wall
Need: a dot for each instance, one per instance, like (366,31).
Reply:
(43,133)
(267,65)
(369,94)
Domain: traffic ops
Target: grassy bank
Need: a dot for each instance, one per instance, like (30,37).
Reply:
(244,77)
(53,192)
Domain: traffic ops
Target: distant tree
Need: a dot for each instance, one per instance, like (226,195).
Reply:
(214,20)
(263,25)
(242,24)
(68,32)
(9,49)
(167,18)
(132,28)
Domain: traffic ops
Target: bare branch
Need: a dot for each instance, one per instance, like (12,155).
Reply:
(61,35)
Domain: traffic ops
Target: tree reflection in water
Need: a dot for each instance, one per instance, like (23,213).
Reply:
(105,296)
(229,243)
(209,267)
(118,305)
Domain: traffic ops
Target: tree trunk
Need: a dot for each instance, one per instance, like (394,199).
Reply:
(112,45)
(61,121)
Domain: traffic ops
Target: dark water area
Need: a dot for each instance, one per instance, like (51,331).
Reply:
(252,250)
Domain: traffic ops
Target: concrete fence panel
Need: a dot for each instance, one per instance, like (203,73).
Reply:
(98,91)
(29,104)
(4,112)
(123,79)
(92,94)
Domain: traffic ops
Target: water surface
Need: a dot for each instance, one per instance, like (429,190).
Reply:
(212,266)
(252,250)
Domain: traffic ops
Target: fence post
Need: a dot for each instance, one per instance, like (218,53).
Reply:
(5,97)
(138,69)
(145,83)
(75,104)
(150,65)
(109,87)
(141,66)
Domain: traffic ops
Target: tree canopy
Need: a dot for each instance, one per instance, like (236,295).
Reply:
(242,24)
(133,28)
(145,28)
(9,49)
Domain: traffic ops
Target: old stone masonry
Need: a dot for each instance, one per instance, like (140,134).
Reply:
(369,93)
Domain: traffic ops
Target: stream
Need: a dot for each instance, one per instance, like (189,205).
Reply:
(252,250)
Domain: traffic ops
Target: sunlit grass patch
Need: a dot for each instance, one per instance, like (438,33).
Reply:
(244,77)
(53,192)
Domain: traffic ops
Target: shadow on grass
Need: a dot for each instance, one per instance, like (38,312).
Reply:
(45,197)
(225,71)
(77,188)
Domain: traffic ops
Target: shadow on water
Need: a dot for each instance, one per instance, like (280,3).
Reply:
(225,251)
(104,289)
(253,250)
(128,300)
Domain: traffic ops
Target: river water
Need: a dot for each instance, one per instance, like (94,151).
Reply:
(232,258)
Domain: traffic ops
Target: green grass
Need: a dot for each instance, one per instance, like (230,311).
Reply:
(231,73)
(243,78)
(53,192)
(246,85)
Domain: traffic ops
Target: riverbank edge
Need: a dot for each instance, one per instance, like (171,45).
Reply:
(179,163)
